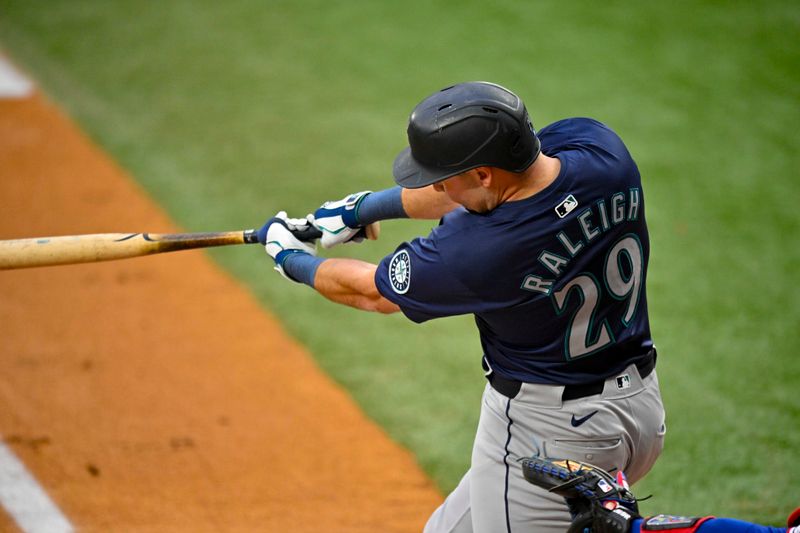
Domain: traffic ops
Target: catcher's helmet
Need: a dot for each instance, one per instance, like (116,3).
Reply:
(462,127)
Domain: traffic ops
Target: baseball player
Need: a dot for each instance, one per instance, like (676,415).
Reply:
(543,240)
(602,503)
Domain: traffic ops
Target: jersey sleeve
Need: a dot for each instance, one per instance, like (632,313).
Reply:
(419,280)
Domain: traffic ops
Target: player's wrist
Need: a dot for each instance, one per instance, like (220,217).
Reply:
(299,266)
(375,206)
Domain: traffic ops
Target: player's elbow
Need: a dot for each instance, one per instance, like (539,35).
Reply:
(368,296)
(372,300)
(384,306)
(366,302)
(352,283)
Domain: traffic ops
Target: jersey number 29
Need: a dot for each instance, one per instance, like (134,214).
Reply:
(622,279)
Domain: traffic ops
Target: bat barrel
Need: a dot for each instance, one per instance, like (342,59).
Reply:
(47,251)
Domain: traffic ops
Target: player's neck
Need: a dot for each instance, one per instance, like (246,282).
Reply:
(535,178)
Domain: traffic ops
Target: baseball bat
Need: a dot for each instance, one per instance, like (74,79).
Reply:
(71,249)
(91,248)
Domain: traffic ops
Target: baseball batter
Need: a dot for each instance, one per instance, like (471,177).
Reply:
(543,240)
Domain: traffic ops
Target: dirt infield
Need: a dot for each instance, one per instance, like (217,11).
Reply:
(154,394)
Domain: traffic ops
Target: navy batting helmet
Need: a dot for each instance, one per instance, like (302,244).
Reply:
(462,127)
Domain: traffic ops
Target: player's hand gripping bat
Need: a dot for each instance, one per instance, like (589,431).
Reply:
(70,249)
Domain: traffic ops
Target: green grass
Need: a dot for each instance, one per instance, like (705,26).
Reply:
(229,111)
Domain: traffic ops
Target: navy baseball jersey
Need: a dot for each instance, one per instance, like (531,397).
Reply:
(556,281)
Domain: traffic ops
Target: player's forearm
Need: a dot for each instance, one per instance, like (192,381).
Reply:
(351,282)
(427,203)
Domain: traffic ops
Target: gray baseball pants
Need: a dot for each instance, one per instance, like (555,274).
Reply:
(626,432)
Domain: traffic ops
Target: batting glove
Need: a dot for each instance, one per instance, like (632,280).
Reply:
(277,237)
(338,221)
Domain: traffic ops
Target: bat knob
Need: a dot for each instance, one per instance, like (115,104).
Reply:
(250,236)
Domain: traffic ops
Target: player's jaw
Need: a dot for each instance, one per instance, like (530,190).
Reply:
(469,189)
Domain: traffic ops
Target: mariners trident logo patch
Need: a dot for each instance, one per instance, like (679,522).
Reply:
(400,272)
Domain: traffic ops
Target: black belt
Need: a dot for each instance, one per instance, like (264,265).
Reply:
(510,387)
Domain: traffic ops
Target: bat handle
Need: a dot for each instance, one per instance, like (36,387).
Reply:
(250,236)
(306,235)
(309,234)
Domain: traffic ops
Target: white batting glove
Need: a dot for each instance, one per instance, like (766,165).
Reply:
(337,221)
(277,237)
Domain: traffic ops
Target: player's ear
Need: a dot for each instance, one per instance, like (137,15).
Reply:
(485,175)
